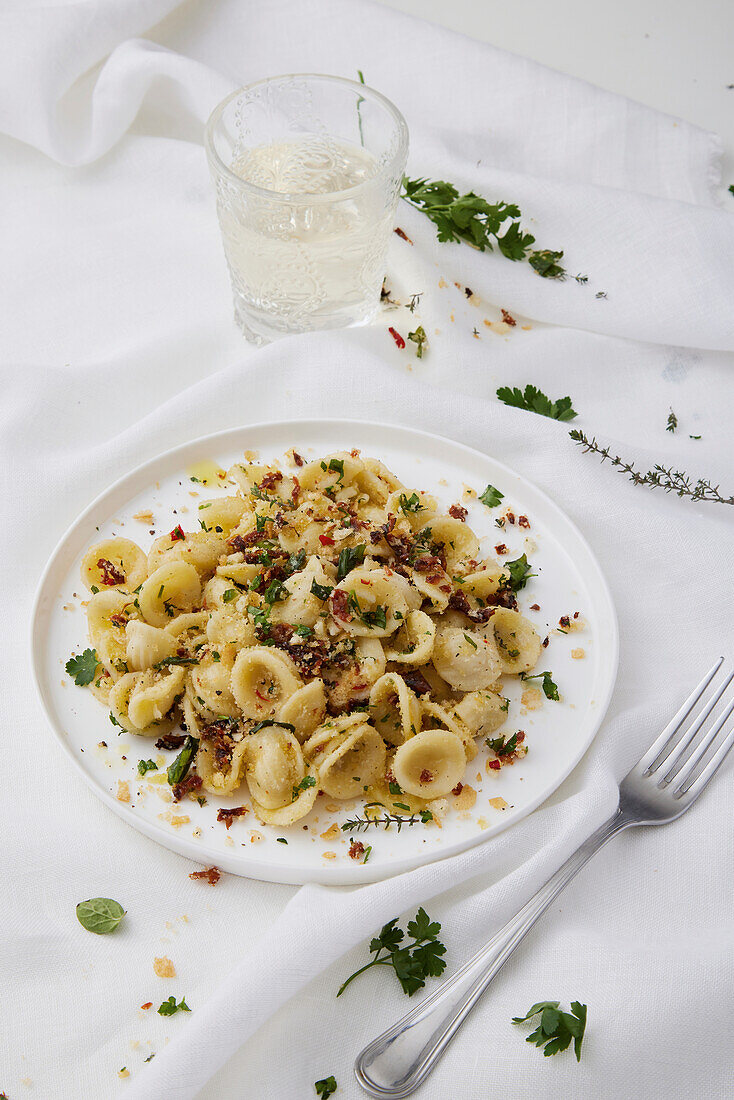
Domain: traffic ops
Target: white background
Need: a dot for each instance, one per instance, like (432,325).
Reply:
(675,55)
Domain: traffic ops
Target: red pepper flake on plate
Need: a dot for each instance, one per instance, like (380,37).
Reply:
(177,534)
(396,337)
(228,816)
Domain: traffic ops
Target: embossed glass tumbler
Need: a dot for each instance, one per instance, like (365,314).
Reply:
(307,171)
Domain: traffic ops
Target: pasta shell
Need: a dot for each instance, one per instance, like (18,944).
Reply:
(225,627)
(436,591)
(467,660)
(354,683)
(262,679)
(146,645)
(517,643)
(305,709)
(113,563)
(301,607)
(119,699)
(334,731)
(222,512)
(413,643)
(459,542)
(153,695)
(394,709)
(108,614)
(211,680)
(430,764)
(171,589)
(287,815)
(357,762)
(372,593)
(482,712)
(274,767)
(200,549)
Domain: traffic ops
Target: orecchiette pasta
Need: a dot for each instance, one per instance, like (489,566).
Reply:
(325,630)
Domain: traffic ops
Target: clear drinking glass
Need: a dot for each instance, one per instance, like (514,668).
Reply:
(307,171)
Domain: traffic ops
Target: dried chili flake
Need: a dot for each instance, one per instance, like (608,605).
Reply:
(458,789)
(177,534)
(495,765)
(396,337)
(228,816)
(426,776)
(356,849)
(299,461)
(508,318)
(523,521)
(402,234)
(186,786)
(458,511)
(535,607)
(500,548)
(147,1005)
(327,540)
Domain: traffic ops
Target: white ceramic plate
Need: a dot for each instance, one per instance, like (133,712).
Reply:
(558,733)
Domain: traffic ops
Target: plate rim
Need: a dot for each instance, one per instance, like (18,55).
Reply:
(327,875)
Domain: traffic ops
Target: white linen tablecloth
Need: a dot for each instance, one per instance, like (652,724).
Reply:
(118,343)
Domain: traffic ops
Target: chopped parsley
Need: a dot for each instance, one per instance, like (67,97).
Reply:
(306,782)
(491,497)
(147,766)
(556,1028)
(501,747)
(518,573)
(327,1085)
(419,337)
(550,690)
(411,503)
(229,595)
(321,591)
(170,1008)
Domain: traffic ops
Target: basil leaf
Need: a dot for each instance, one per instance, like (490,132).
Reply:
(99,915)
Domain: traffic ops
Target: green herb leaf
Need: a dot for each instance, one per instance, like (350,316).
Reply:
(518,573)
(394,788)
(337,466)
(349,558)
(83,667)
(183,761)
(306,782)
(412,962)
(491,497)
(672,422)
(481,224)
(556,1028)
(147,766)
(321,591)
(269,722)
(534,400)
(419,337)
(166,661)
(99,915)
(170,1008)
(410,504)
(470,640)
(229,595)
(550,690)
(501,747)
(327,1085)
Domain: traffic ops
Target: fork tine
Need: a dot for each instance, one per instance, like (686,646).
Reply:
(688,769)
(675,761)
(654,755)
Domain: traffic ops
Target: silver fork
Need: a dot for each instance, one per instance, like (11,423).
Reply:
(663,784)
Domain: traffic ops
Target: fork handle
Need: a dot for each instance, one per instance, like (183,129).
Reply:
(396,1062)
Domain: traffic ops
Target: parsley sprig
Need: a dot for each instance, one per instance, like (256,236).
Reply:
(170,1008)
(481,224)
(413,963)
(534,400)
(556,1028)
(518,573)
(83,667)
(327,1085)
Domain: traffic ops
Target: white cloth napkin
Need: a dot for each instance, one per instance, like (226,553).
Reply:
(118,343)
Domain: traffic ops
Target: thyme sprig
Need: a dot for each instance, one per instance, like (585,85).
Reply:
(660,477)
(357,824)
